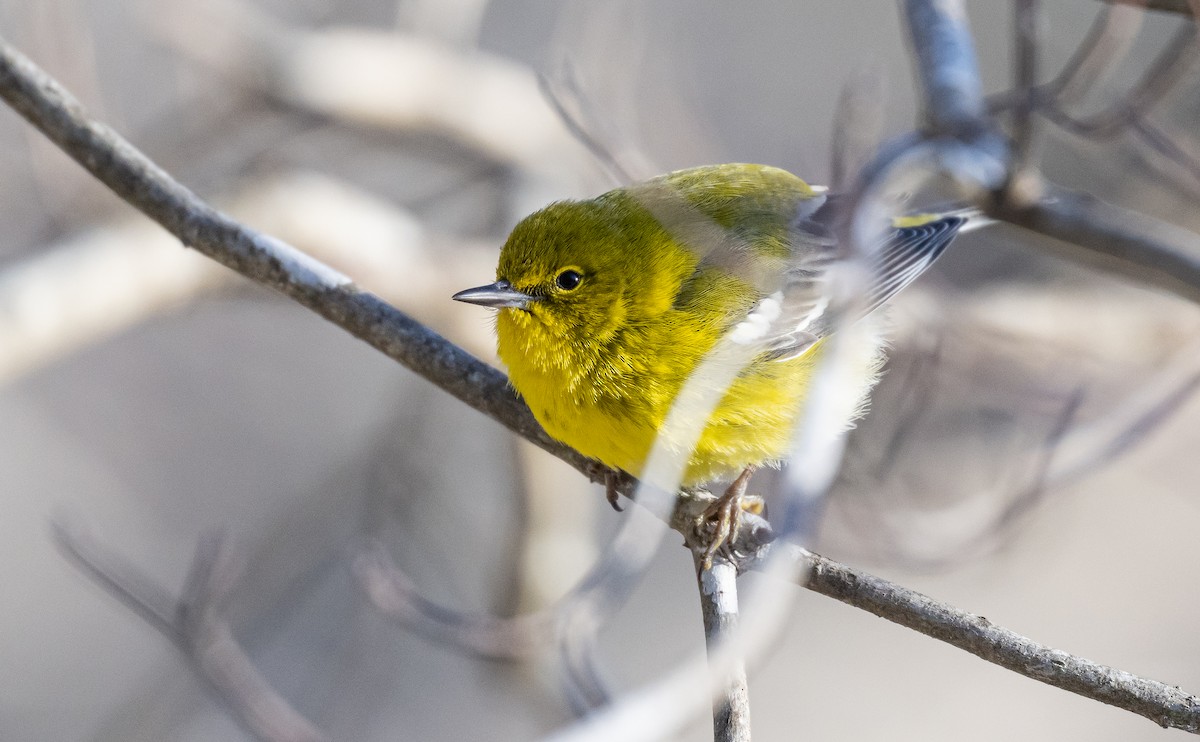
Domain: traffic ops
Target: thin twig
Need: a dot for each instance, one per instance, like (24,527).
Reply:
(587,688)
(1165,705)
(195,624)
(1125,243)
(155,605)
(719,606)
(395,595)
(555,91)
(1183,7)
(1023,180)
(131,175)
(1172,153)
(268,261)
(1106,43)
(1176,58)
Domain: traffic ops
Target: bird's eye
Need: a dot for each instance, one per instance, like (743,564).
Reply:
(568,279)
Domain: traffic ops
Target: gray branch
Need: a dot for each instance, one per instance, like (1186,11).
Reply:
(1165,705)
(196,625)
(719,605)
(1182,7)
(1125,243)
(134,177)
(945,54)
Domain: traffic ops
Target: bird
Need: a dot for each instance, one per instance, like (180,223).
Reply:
(606,306)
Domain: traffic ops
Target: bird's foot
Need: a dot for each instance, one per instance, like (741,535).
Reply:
(724,516)
(612,478)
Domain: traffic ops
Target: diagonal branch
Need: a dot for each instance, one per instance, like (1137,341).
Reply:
(521,637)
(1171,64)
(1165,705)
(196,625)
(268,261)
(134,177)
(1124,243)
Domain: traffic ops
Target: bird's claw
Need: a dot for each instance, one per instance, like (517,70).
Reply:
(610,490)
(721,522)
(612,479)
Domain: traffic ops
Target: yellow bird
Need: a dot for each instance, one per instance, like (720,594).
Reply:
(607,305)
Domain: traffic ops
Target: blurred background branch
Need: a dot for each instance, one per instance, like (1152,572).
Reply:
(195,624)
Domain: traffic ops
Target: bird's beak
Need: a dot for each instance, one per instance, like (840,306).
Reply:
(495,295)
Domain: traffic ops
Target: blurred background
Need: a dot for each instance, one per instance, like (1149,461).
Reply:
(1026,457)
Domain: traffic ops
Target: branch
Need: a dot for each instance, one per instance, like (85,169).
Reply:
(396,596)
(1025,76)
(196,626)
(1122,242)
(1171,64)
(719,605)
(946,65)
(264,259)
(1165,705)
(1182,7)
(273,263)
(322,71)
(1107,42)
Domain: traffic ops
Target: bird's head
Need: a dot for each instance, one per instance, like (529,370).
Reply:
(574,274)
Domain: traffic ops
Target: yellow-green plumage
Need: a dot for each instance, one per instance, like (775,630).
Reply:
(665,268)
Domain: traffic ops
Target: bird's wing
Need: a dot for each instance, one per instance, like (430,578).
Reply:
(777,235)
(905,254)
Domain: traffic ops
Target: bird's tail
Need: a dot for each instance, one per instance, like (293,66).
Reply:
(973,216)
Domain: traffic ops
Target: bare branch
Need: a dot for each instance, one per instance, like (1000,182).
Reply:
(560,92)
(1107,41)
(946,65)
(1025,76)
(1165,705)
(1183,7)
(396,596)
(259,257)
(196,626)
(1122,242)
(587,689)
(719,606)
(1175,59)
(1128,244)
(153,603)
(1172,152)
